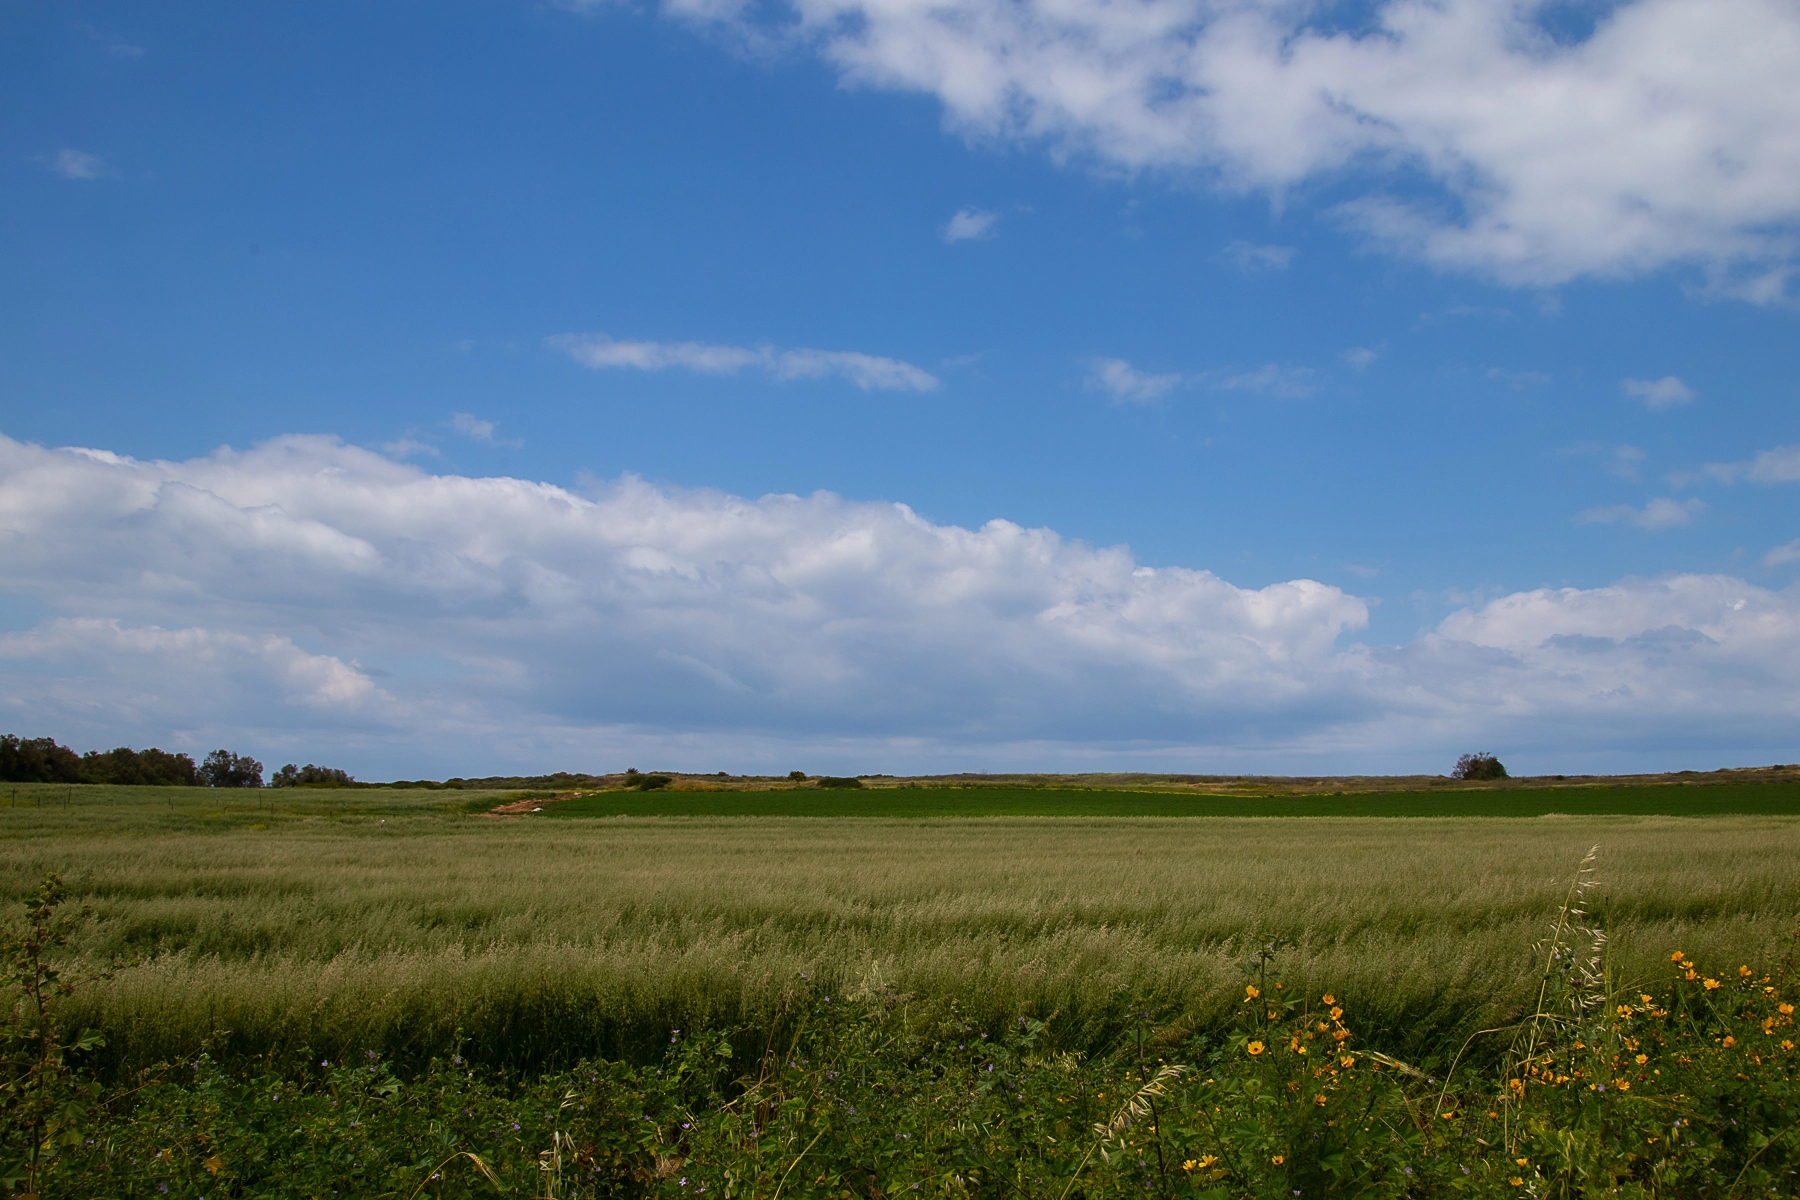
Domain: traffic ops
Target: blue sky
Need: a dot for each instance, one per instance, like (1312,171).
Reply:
(1509,338)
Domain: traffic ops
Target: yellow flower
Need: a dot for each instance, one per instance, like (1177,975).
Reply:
(1787,1045)
(1347,1061)
(1624,1085)
(1255,1047)
(1449,1116)
(1624,1010)
(1786,1010)
(1744,971)
(1250,992)
(1677,956)
(1523,1162)
(1207,1160)
(1278,1160)
(1319,1099)
(1712,985)
(1190,1164)
(1337,1014)
(1645,997)
(1642,1059)
(1729,1042)
(1328,998)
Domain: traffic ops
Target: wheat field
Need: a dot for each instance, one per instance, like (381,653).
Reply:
(406,925)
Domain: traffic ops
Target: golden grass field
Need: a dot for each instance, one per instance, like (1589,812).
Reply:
(394,920)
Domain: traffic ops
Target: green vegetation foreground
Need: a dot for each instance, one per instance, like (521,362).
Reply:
(256,938)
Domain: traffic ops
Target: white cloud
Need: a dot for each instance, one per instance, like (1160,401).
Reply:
(1658,394)
(1781,555)
(469,425)
(970,224)
(77,164)
(1660,513)
(1666,135)
(1249,257)
(1778,465)
(866,371)
(307,598)
(1126,384)
(1362,356)
(1293,383)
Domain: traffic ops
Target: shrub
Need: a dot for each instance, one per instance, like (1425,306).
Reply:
(839,781)
(311,776)
(1478,766)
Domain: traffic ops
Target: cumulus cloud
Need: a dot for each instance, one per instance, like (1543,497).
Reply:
(866,371)
(1658,394)
(78,164)
(1475,134)
(970,224)
(306,593)
(1660,513)
(1126,384)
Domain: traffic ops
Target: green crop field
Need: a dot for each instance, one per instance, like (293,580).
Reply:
(1673,799)
(252,934)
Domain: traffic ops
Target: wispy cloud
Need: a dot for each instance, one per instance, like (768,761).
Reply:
(1781,555)
(473,427)
(1361,356)
(112,44)
(1249,257)
(867,371)
(1623,460)
(1658,394)
(1516,380)
(78,164)
(1127,385)
(1273,379)
(1660,513)
(1780,464)
(969,225)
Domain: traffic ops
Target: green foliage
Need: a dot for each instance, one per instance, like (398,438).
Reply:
(310,776)
(37,760)
(1690,1093)
(839,781)
(1478,766)
(45,1106)
(226,769)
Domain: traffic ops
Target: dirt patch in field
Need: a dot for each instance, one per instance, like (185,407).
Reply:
(521,808)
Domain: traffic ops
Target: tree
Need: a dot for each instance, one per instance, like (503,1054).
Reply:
(37,760)
(1478,766)
(223,769)
(127,766)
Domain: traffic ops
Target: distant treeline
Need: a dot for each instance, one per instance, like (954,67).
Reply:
(43,760)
